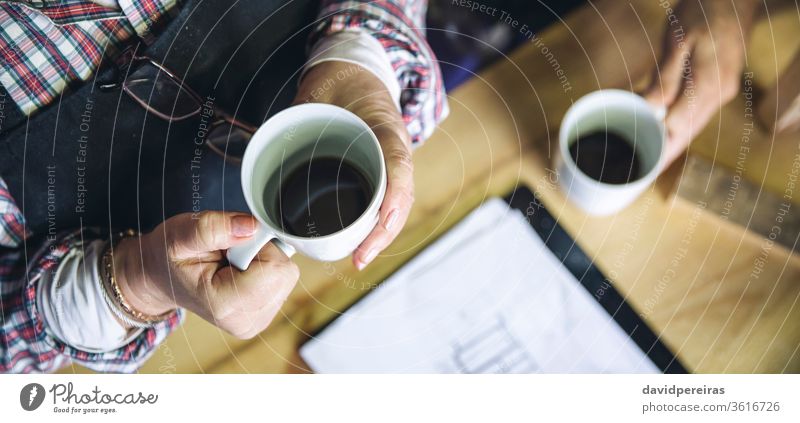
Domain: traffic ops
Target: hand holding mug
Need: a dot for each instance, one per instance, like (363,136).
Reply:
(182,264)
(701,67)
(294,182)
(367,97)
(352,122)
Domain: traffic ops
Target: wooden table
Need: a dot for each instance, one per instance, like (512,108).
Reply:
(687,272)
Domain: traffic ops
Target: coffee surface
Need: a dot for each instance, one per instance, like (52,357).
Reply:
(321,197)
(607,157)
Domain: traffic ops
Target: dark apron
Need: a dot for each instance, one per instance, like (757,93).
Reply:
(97,158)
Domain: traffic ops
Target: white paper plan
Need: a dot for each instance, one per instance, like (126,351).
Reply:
(487,297)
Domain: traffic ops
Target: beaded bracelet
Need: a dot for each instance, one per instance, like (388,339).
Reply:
(113,294)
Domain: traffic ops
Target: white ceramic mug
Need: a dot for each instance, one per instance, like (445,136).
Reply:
(288,139)
(626,114)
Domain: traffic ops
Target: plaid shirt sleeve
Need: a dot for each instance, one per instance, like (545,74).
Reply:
(48,45)
(25,344)
(399,25)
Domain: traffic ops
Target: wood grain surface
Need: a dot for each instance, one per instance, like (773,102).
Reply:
(718,296)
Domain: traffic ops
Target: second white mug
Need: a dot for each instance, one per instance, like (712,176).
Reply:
(610,111)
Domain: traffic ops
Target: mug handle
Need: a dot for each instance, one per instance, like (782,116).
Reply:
(240,256)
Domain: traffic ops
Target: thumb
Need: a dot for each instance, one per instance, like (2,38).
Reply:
(191,234)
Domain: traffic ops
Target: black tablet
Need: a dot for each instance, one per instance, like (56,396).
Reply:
(600,287)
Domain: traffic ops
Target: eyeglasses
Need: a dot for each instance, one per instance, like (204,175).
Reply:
(162,93)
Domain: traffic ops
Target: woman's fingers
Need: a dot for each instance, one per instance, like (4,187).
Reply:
(713,81)
(245,302)
(668,76)
(368,97)
(701,67)
(399,195)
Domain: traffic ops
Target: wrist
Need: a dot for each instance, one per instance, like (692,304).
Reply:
(142,293)
(343,84)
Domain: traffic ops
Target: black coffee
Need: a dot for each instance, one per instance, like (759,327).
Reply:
(321,197)
(607,157)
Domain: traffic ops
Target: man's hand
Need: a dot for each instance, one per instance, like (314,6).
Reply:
(701,67)
(359,91)
(182,264)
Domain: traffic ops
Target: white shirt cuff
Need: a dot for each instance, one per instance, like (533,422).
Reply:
(358,47)
(72,302)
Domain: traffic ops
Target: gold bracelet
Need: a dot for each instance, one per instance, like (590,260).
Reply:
(116,301)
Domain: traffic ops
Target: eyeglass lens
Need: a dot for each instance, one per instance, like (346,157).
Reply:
(160,93)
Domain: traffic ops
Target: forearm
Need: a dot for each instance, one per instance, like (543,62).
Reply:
(360,52)
(745,10)
(399,28)
(360,84)
(28,340)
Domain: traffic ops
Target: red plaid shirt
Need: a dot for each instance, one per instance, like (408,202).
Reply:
(47,45)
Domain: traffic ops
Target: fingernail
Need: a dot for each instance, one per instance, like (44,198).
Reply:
(391,220)
(367,259)
(243,226)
